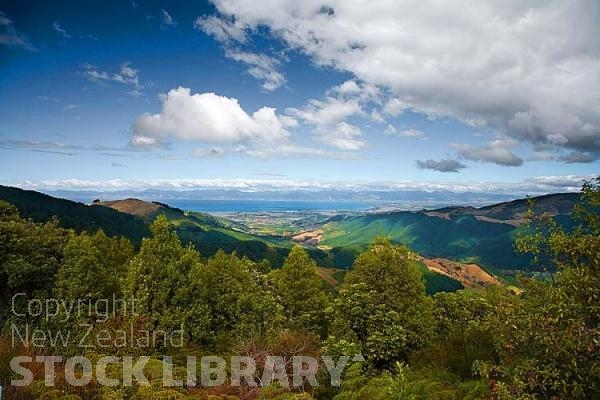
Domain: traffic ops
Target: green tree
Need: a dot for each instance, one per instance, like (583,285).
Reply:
(159,277)
(231,301)
(462,335)
(30,255)
(383,304)
(549,339)
(300,291)
(94,266)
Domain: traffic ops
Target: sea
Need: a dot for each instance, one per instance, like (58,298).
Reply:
(240,206)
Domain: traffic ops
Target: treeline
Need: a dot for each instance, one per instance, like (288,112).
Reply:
(541,343)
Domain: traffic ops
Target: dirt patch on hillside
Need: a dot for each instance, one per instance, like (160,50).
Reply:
(513,222)
(470,275)
(309,238)
(441,215)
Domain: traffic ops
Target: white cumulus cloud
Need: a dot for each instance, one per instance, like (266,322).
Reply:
(208,117)
(528,69)
(328,117)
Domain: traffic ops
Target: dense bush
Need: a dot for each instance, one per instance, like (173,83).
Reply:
(541,342)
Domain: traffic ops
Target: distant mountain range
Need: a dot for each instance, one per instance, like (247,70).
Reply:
(407,199)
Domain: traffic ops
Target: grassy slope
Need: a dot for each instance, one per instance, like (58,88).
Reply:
(461,238)
(210,234)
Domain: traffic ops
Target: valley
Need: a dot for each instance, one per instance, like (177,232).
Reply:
(457,246)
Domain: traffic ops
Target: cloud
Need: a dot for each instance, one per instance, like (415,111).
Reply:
(377,117)
(444,165)
(287,149)
(208,152)
(230,35)
(567,182)
(390,130)
(39,146)
(146,142)
(413,133)
(127,75)
(207,117)
(573,157)
(497,152)
(410,133)
(328,117)
(359,90)
(70,107)
(578,157)
(211,118)
(223,30)
(531,186)
(58,28)
(49,98)
(528,69)
(11,37)
(342,135)
(166,20)
(261,67)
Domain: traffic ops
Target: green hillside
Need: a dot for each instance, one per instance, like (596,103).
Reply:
(78,216)
(207,233)
(485,235)
(462,237)
(210,234)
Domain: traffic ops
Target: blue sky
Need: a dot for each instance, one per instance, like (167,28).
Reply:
(115,93)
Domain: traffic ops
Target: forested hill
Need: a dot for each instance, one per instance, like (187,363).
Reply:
(40,208)
(131,218)
(481,235)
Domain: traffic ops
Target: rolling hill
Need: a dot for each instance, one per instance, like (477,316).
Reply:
(78,216)
(453,241)
(131,218)
(478,235)
(208,233)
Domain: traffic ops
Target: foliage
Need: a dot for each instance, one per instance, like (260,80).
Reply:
(300,292)
(540,343)
(158,277)
(383,304)
(93,266)
(549,340)
(30,256)
(229,299)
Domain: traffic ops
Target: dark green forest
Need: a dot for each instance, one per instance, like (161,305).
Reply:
(541,342)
